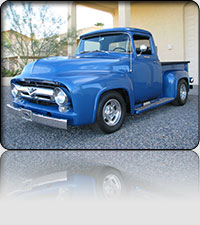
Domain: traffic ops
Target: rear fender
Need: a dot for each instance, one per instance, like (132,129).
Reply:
(170,82)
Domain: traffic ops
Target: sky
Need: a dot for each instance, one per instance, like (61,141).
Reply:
(83,21)
(94,17)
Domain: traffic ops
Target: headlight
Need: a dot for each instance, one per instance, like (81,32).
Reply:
(14,90)
(60,96)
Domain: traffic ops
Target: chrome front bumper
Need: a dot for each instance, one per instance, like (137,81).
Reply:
(33,117)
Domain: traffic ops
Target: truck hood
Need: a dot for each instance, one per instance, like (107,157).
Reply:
(55,67)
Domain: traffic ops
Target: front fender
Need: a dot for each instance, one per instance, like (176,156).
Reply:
(124,84)
(170,82)
(86,96)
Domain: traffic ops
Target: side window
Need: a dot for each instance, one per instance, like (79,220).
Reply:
(142,40)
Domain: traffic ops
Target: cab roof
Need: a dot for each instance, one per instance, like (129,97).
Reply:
(118,29)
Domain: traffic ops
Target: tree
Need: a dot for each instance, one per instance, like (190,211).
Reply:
(99,24)
(34,32)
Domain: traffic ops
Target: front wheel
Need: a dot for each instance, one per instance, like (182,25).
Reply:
(111,112)
(110,184)
(182,93)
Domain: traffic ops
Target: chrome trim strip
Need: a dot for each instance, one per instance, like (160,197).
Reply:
(35,97)
(45,120)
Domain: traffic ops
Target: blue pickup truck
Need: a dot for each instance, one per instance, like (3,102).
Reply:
(113,72)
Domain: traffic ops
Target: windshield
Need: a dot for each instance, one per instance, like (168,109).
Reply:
(105,43)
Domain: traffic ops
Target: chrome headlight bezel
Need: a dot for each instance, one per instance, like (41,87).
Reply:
(60,96)
(14,90)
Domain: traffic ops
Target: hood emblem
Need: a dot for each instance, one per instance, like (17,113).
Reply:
(31,90)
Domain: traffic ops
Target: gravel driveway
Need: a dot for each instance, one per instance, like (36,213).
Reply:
(167,127)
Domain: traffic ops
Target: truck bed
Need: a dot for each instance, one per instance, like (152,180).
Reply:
(175,65)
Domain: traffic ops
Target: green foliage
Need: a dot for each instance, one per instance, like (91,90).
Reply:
(34,32)
(99,24)
(9,73)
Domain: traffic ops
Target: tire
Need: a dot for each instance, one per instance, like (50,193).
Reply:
(111,112)
(182,93)
(110,184)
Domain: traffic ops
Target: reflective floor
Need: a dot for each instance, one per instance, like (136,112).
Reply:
(99,175)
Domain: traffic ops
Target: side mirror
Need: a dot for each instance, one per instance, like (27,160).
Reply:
(143,48)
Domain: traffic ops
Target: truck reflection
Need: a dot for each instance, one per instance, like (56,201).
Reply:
(142,175)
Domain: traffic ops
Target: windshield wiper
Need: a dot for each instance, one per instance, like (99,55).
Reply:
(101,51)
(84,52)
(98,51)
(93,51)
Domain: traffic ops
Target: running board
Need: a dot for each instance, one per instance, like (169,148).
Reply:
(155,104)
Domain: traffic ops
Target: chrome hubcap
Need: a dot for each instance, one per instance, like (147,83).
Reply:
(111,186)
(183,92)
(112,112)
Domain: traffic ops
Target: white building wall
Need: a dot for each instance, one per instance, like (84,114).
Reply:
(165,21)
(191,38)
(174,26)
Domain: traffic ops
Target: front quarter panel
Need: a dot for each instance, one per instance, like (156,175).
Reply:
(86,96)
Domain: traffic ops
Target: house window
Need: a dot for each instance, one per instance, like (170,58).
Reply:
(142,40)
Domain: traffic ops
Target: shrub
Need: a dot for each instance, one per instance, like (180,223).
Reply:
(9,73)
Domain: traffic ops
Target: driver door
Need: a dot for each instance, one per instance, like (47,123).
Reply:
(147,72)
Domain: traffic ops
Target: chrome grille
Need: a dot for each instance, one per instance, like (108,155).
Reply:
(36,93)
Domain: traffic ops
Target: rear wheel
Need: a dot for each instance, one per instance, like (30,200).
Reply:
(111,112)
(182,93)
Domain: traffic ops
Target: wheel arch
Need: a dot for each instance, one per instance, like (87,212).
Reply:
(122,91)
(179,78)
(186,79)
(171,80)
